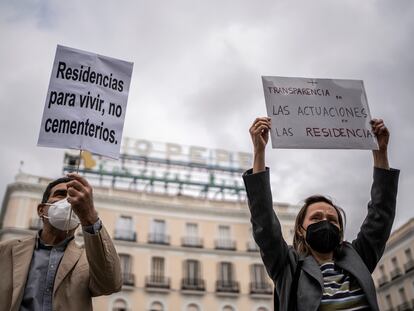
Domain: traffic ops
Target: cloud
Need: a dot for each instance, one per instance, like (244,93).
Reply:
(197,79)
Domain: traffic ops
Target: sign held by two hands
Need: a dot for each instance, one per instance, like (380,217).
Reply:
(318,113)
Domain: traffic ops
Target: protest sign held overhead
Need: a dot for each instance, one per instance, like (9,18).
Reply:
(86,102)
(318,113)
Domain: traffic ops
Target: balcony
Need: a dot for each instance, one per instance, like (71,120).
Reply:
(192,241)
(227,287)
(260,288)
(35,224)
(226,244)
(395,273)
(128,279)
(408,266)
(252,246)
(158,238)
(382,280)
(193,285)
(405,306)
(157,282)
(125,235)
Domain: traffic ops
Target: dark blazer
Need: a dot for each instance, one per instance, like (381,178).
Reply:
(359,258)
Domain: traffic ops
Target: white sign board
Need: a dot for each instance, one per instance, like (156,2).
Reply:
(86,102)
(318,113)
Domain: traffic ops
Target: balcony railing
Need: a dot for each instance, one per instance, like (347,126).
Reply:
(125,235)
(409,265)
(227,286)
(262,288)
(128,279)
(405,306)
(155,281)
(192,241)
(382,280)
(252,246)
(35,224)
(193,284)
(395,273)
(226,244)
(158,238)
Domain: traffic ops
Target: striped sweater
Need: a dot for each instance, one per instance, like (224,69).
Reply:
(341,290)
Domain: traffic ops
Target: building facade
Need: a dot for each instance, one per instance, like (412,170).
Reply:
(394,275)
(179,251)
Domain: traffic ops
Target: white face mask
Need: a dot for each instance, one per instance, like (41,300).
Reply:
(59,215)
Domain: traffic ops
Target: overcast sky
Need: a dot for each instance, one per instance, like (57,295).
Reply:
(197,79)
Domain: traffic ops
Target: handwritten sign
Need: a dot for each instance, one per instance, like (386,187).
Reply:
(86,102)
(318,113)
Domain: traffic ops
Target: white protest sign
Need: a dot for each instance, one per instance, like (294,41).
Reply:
(86,102)
(318,113)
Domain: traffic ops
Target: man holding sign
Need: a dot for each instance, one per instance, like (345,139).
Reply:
(50,271)
(321,271)
(85,109)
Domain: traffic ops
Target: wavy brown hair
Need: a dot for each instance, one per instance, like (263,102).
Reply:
(299,242)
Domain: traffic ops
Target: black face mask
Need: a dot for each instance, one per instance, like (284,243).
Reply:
(323,236)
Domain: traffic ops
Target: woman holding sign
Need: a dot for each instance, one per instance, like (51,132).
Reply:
(321,271)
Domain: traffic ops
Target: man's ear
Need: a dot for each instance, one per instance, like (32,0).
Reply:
(41,209)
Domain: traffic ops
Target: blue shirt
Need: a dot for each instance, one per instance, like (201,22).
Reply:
(39,286)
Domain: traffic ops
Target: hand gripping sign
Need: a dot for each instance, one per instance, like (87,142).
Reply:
(86,102)
(318,113)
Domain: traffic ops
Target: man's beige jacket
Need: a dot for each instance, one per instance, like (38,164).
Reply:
(83,273)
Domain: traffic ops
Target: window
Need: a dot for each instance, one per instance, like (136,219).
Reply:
(156,306)
(192,230)
(224,232)
(259,284)
(192,270)
(125,263)
(192,276)
(158,227)
(389,301)
(251,244)
(408,254)
(125,229)
(224,241)
(157,268)
(403,297)
(258,273)
(126,268)
(119,305)
(158,232)
(191,238)
(226,281)
(193,307)
(228,308)
(394,262)
(157,278)
(226,272)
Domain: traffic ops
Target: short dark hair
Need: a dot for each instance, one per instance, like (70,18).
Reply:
(298,240)
(49,187)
